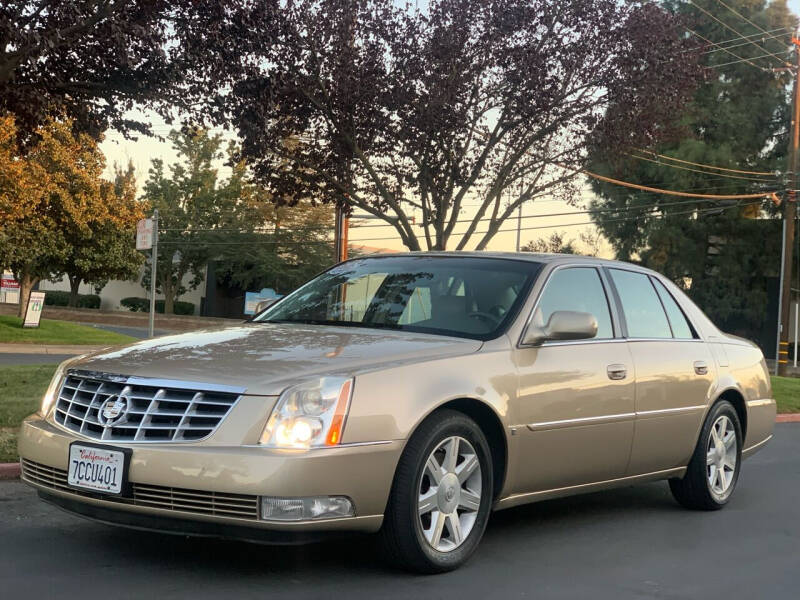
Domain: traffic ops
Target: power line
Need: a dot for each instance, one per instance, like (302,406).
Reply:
(696,164)
(741,16)
(672,192)
(721,175)
(621,219)
(729,43)
(745,43)
(740,59)
(698,211)
(656,205)
(732,30)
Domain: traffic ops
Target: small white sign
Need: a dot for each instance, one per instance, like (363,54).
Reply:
(144,234)
(34,310)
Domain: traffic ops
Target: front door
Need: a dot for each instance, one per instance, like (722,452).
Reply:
(575,405)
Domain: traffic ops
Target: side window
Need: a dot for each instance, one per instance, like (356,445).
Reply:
(579,289)
(644,314)
(680,326)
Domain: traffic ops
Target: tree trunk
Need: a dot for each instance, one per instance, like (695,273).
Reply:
(74,285)
(169,303)
(169,294)
(26,283)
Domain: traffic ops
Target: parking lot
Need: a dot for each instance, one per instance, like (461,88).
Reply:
(629,543)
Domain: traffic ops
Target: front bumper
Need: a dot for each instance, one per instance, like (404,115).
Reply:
(217,484)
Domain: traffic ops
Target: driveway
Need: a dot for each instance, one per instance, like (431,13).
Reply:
(629,543)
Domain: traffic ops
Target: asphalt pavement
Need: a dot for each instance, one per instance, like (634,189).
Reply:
(9,359)
(633,542)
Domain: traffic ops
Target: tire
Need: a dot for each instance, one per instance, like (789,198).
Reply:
(703,487)
(461,501)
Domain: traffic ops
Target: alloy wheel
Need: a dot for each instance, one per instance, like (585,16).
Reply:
(721,457)
(449,494)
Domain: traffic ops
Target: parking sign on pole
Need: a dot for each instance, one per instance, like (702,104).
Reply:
(144,234)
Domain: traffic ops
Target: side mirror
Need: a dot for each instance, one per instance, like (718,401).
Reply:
(562,325)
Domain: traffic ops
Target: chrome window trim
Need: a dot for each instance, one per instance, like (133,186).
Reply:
(580,421)
(609,418)
(663,281)
(670,411)
(612,309)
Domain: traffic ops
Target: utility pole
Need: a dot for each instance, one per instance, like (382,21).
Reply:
(154,263)
(340,234)
(789,221)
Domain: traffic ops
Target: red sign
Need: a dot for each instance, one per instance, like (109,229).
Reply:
(9,284)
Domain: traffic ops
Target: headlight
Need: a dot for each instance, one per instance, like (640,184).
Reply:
(309,415)
(52,390)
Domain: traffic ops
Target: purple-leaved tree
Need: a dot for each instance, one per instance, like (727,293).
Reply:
(399,111)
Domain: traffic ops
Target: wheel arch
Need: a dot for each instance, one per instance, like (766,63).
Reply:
(486,417)
(736,398)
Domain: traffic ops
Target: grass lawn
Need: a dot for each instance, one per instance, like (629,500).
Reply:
(786,391)
(22,388)
(21,391)
(56,332)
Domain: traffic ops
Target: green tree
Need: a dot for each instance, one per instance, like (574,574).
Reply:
(190,207)
(105,249)
(291,245)
(51,198)
(737,119)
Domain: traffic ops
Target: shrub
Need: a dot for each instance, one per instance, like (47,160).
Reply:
(59,298)
(136,304)
(88,301)
(143,305)
(56,298)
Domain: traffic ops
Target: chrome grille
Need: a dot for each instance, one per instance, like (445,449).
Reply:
(216,504)
(152,412)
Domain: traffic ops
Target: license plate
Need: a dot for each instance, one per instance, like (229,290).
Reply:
(97,468)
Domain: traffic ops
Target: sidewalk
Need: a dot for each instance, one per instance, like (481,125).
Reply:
(48,349)
(125,318)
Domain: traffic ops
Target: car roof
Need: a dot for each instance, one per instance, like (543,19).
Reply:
(526,256)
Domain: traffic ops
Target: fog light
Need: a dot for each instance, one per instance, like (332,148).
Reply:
(313,508)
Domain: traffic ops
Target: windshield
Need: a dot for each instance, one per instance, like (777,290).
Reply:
(458,296)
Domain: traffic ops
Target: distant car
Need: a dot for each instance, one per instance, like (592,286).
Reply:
(410,394)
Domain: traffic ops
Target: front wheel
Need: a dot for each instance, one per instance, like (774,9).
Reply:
(441,495)
(714,469)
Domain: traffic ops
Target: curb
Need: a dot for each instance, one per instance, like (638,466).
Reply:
(48,349)
(9,470)
(788,418)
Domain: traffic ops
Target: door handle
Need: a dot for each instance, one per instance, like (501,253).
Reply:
(700,367)
(617,372)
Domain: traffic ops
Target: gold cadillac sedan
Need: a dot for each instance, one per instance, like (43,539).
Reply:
(410,394)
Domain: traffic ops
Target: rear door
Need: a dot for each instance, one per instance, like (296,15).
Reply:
(674,372)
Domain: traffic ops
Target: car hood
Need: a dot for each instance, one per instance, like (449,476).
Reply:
(266,357)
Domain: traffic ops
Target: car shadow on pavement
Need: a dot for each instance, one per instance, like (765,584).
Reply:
(362,554)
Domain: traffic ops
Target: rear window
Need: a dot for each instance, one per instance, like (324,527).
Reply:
(641,306)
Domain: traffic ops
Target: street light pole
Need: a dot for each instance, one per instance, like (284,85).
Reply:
(154,263)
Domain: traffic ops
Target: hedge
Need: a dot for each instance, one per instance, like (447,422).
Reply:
(143,305)
(59,298)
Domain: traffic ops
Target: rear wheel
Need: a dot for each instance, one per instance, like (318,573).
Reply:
(714,469)
(441,495)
